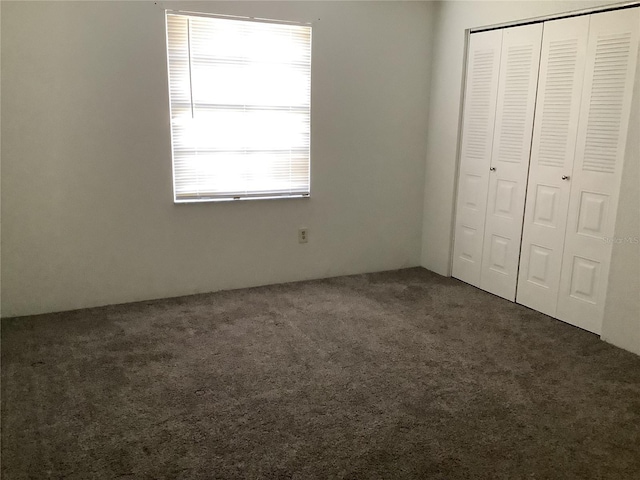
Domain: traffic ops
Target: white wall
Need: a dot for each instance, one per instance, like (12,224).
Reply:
(622,310)
(87,211)
(622,317)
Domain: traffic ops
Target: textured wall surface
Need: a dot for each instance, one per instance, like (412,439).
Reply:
(87,206)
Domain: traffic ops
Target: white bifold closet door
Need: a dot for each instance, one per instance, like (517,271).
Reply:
(483,65)
(496,139)
(562,61)
(510,159)
(612,53)
(554,246)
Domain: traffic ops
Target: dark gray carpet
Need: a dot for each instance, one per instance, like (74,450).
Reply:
(400,374)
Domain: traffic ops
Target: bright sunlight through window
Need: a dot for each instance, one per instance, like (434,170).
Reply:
(240,107)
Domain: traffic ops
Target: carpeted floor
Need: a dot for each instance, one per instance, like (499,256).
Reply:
(399,374)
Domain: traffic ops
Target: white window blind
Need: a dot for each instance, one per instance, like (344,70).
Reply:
(240,108)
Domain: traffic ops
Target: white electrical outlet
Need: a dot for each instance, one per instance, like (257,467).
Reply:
(303,235)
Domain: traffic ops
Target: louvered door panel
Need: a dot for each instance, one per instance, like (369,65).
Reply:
(602,133)
(562,61)
(510,159)
(477,134)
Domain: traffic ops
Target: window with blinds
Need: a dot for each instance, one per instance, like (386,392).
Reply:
(240,108)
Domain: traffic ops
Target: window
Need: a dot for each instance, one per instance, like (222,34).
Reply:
(240,107)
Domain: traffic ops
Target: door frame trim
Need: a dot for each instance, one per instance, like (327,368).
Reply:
(557,16)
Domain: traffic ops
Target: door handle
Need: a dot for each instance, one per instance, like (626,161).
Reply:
(493,169)
(565,177)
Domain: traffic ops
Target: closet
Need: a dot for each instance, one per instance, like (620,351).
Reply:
(544,129)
